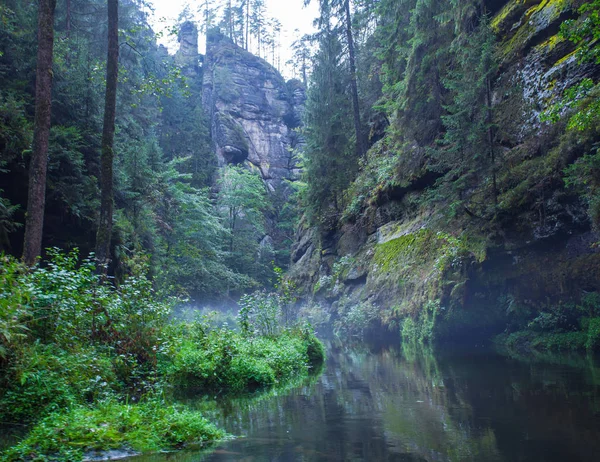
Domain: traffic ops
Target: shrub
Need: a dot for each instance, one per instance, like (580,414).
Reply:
(46,379)
(355,318)
(225,361)
(73,348)
(266,313)
(15,311)
(593,334)
(422,328)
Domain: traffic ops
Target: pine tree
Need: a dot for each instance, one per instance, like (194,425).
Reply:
(242,199)
(257,24)
(467,153)
(43,109)
(329,160)
(103,236)
(302,57)
(342,9)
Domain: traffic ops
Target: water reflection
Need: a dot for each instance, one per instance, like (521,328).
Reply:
(383,404)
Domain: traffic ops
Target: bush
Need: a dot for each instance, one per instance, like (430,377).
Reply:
(355,318)
(74,348)
(421,329)
(528,340)
(224,361)
(593,335)
(46,379)
(15,311)
(260,314)
(560,327)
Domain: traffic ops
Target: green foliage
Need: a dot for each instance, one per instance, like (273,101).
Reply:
(467,151)
(339,272)
(148,427)
(44,379)
(581,104)
(328,159)
(163,152)
(14,309)
(413,65)
(242,202)
(378,172)
(583,176)
(15,130)
(73,348)
(268,314)
(422,329)
(58,324)
(557,327)
(585,32)
(526,340)
(260,314)
(355,319)
(593,339)
(220,360)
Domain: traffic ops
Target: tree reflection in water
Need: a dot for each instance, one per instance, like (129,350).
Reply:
(411,404)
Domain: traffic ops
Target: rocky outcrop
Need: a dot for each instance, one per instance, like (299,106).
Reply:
(187,56)
(398,257)
(252,111)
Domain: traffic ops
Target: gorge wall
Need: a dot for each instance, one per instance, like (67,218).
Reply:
(400,265)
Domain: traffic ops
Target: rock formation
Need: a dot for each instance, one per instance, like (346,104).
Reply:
(187,57)
(252,111)
(401,261)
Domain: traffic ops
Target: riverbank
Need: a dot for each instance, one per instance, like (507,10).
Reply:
(88,366)
(379,401)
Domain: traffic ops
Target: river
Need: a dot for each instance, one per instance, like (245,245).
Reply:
(380,403)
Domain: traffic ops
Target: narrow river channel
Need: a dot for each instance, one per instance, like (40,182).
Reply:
(384,404)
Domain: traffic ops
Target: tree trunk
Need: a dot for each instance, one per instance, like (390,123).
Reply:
(490,136)
(68,19)
(38,166)
(247,23)
(230,25)
(360,144)
(104,233)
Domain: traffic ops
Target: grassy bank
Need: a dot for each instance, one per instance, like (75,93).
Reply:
(558,327)
(91,366)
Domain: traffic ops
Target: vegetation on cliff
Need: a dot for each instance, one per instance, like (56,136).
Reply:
(450,190)
(479,191)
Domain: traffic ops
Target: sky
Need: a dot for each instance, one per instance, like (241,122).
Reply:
(291,13)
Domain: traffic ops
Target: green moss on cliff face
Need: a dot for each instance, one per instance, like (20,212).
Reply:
(527,25)
(507,15)
(415,271)
(394,254)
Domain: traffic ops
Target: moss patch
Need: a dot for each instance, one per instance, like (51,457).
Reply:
(534,20)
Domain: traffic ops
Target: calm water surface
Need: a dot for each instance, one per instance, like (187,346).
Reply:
(384,404)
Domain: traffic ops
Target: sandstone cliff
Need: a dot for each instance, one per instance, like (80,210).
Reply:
(252,111)
(402,265)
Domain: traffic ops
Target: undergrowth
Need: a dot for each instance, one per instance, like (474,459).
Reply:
(567,326)
(146,427)
(90,365)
